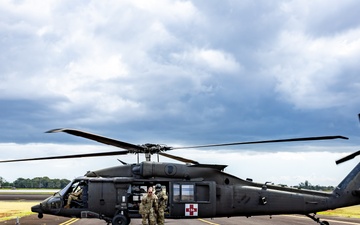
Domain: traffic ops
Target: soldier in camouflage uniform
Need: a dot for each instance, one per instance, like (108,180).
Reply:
(162,203)
(149,207)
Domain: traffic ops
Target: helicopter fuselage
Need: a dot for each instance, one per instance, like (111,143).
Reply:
(194,191)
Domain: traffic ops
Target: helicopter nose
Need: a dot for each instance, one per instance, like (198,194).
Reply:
(37,208)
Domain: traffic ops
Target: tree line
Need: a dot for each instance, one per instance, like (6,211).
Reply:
(37,182)
(307,185)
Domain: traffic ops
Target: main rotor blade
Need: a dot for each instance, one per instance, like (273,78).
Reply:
(178,158)
(267,141)
(347,158)
(120,144)
(69,156)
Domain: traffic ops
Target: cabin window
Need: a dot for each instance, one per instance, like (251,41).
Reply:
(183,192)
(187,192)
(202,193)
(176,190)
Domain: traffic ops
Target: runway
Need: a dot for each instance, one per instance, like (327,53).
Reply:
(259,220)
(23,197)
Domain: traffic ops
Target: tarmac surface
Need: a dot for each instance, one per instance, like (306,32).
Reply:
(257,220)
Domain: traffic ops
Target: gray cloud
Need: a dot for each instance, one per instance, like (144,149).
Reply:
(179,69)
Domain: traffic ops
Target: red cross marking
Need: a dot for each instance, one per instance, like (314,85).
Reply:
(191,210)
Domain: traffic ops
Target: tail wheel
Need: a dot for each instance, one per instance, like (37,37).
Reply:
(120,220)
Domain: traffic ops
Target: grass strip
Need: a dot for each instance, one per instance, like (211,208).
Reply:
(349,212)
(13,209)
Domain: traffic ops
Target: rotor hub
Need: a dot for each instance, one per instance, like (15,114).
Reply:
(154,148)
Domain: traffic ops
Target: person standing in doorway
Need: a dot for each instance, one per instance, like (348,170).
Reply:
(162,204)
(149,207)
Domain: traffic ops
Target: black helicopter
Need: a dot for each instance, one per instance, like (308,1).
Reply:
(194,189)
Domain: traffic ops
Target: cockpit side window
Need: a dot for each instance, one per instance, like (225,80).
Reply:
(63,191)
(76,196)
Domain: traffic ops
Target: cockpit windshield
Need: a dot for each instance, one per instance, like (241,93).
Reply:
(65,189)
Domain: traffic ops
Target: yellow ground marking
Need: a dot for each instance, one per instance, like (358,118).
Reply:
(205,221)
(71,221)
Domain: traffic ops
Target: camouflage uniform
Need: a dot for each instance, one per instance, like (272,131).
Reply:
(148,207)
(162,203)
(76,195)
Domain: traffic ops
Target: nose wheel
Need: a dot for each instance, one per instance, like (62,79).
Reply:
(313,217)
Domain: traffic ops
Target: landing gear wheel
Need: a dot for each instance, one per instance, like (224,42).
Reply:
(313,217)
(120,220)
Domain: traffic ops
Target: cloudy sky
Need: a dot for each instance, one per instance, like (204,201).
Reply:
(181,73)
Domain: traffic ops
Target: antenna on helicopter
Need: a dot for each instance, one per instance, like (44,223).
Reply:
(122,162)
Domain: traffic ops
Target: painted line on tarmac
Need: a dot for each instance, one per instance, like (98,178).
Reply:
(208,222)
(71,221)
(337,221)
